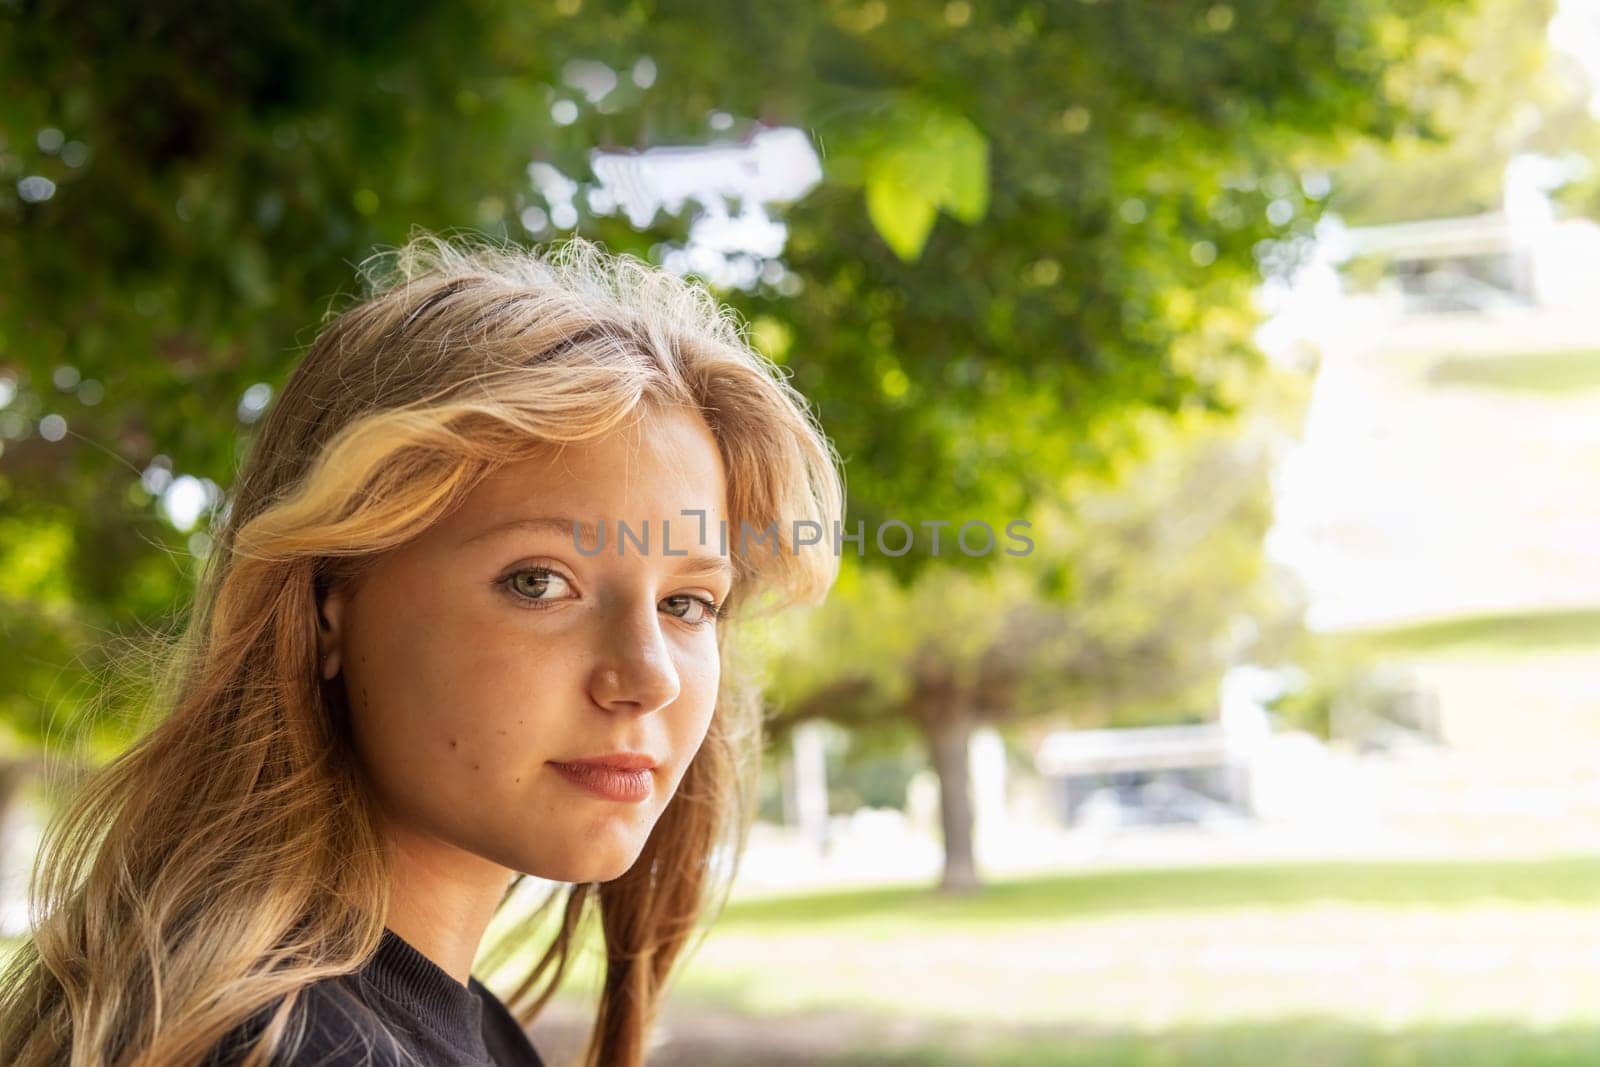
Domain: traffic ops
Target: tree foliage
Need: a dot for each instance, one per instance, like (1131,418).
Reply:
(1033,217)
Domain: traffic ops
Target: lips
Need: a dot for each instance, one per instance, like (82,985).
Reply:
(607,781)
(616,761)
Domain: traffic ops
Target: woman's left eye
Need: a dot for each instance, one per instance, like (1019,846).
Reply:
(708,611)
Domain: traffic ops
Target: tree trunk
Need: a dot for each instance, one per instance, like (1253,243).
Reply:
(948,735)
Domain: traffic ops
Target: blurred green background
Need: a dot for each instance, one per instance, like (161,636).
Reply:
(1183,784)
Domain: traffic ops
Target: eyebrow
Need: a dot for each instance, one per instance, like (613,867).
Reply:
(689,565)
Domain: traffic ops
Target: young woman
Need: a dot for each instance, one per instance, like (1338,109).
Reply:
(422,663)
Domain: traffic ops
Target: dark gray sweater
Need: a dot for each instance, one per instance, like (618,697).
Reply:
(400,996)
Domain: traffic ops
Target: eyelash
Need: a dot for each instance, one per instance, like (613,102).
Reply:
(714,612)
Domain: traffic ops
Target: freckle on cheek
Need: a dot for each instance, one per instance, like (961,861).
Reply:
(452,742)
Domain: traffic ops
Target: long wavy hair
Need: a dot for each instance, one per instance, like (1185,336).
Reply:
(230,856)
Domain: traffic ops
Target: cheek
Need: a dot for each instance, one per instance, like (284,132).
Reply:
(446,696)
(699,678)
(500,691)
(510,694)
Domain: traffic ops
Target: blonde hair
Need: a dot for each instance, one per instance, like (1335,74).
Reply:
(230,857)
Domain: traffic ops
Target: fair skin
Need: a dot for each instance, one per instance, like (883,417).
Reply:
(469,672)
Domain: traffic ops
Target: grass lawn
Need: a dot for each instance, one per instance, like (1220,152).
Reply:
(1548,373)
(1327,963)
(1504,634)
(1310,1042)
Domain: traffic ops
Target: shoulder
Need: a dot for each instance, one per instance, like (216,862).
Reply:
(342,1031)
(339,1031)
(506,1037)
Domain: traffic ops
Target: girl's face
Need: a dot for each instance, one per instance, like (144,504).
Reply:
(488,650)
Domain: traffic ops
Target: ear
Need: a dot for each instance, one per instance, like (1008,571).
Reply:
(330,630)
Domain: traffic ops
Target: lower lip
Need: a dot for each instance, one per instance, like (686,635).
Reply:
(608,783)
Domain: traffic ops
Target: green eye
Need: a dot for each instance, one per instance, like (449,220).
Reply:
(709,611)
(532,583)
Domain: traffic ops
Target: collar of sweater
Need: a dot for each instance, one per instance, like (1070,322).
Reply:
(451,1011)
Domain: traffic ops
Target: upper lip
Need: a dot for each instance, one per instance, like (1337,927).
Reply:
(622,761)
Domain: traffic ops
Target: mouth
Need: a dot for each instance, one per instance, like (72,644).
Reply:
(610,781)
(615,761)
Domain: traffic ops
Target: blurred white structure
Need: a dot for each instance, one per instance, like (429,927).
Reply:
(775,166)
(772,167)
(810,791)
(986,757)
(1412,498)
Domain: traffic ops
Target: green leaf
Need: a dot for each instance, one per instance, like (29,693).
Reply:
(924,160)
(903,216)
(966,157)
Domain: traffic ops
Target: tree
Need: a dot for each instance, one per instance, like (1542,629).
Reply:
(1032,218)
(1131,610)
(1497,91)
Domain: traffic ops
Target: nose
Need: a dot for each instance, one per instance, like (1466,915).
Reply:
(634,671)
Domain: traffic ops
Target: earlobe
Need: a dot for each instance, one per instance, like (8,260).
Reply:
(330,621)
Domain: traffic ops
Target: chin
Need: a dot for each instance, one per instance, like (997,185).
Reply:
(589,868)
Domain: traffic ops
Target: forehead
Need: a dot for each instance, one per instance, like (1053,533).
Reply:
(654,468)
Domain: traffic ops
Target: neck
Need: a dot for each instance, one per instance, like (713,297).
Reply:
(442,900)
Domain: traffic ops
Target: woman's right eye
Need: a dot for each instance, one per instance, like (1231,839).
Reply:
(532,583)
